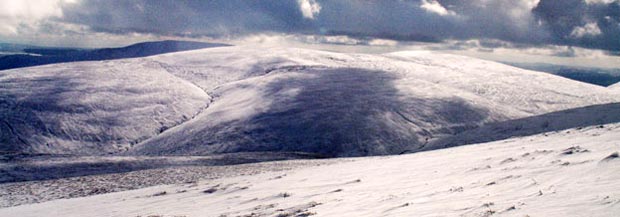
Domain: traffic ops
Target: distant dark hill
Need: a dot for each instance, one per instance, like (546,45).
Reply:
(598,76)
(59,55)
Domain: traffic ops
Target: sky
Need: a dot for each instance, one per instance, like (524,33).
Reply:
(574,32)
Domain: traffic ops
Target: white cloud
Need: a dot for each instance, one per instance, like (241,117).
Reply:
(434,7)
(16,13)
(330,39)
(382,42)
(490,49)
(300,40)
(590,29)
(600,1)
(504,51)
(309,8)
(59,34)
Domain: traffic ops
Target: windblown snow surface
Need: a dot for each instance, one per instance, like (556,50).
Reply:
(564,173)
(242,98)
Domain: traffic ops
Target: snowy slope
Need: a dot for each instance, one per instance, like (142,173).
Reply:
(567,173)
(249,98)
(615,86)
(91,107)
(286,99)
(596,115)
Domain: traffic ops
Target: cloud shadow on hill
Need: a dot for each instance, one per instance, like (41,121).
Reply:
(334,112)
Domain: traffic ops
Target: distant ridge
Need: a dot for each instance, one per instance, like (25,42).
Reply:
(45,56)
(597,76)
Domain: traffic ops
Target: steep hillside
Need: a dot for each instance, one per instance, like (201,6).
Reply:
(352,104)
(91,107)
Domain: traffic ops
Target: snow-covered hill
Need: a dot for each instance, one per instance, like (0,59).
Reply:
(91,107)
(352,104)
(566,173)
(596,115)
(272,99)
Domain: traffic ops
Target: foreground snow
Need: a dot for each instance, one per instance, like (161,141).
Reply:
(40,180)
(565,173)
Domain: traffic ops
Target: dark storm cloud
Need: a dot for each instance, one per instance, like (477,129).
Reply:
(570,20)
(187,17)
(562,22)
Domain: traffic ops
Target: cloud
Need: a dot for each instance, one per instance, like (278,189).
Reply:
(435,7)
(189,18)
(309,8)
(27,13)
(505,47)
(382,42)
(590,29)
(586,23)
(600,1)
(590,24)
(279,39)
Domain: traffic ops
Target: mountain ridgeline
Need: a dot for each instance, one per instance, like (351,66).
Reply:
(34,56)
(598,76)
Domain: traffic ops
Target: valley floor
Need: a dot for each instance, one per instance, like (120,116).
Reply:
(36,179)
(566,173)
